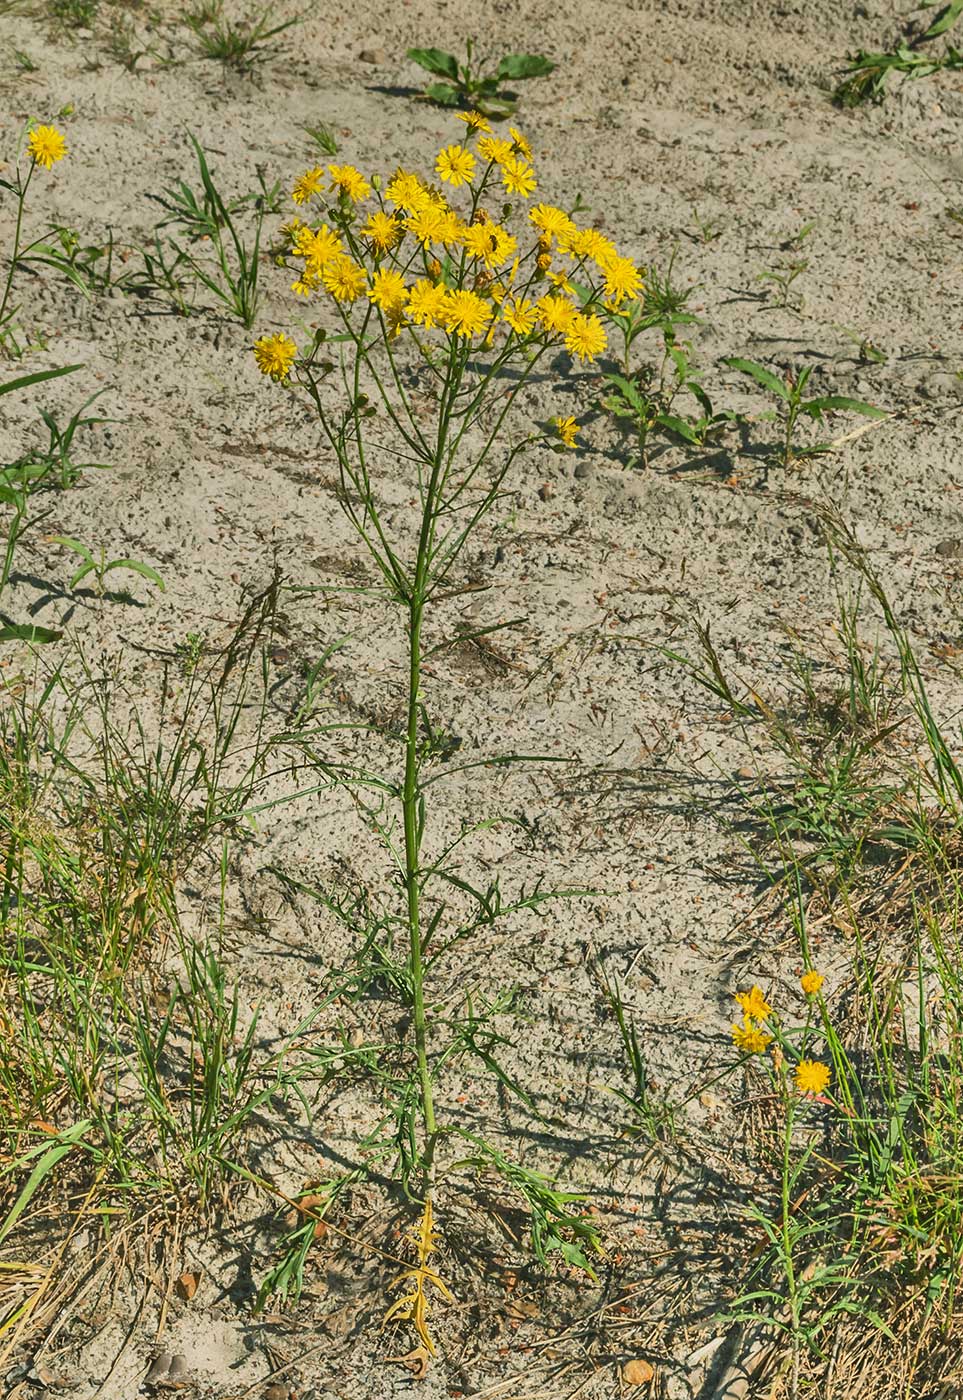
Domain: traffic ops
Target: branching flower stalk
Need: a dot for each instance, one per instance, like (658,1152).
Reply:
(441,317)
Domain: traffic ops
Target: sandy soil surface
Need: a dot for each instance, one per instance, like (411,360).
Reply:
(655,111)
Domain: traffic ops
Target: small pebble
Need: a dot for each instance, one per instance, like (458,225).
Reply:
(378,57)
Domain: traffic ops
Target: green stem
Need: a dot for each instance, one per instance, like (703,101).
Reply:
(21,199)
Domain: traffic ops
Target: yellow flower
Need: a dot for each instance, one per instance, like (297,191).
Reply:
(388,291)
(494,149)
(428,224)
(622,279)
(275,355)
(585,337)
(466,313)
(46,145)
(406,191)
(456,165)
(519,144)
(317,247)
(427,303)
(449,228)
(521,315)
(344,279)
(474,121)
(588,243)
(812,1076)
(560,281)
(348,181)
(750,1038)
(567,429)
(550,221)
(543,262)
(754,1004)
(518,177)
(382,230)
(556,313)
(311,182)
(811,982)
(488,241)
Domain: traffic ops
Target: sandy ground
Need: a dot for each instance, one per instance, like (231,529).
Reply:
(654,111)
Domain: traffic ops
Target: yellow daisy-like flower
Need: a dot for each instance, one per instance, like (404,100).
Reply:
(308,184)
(494,149)
(349,181)
(406,191)
(750,1038)
(382,230)
(466,314)
(585,337)
(551,221)
(474,121)
(427,303)
(622,279)
(388,291)
(318,247)
(46,145)
(455,165)
(520,314)
(588,243)
(560,280)
(519,144)
(543,262)
(556,313)
(344,279)
(753,1003)
(567,428)
(449,229)
(811,982)
(518,177)
(812,1076)
(275,355)
(428,224)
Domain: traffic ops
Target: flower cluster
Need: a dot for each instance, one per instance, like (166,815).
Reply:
(751,1038)
(404,248)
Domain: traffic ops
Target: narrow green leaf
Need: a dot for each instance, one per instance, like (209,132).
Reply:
(760,374)
(25,632)
(144,570)
(37,378)
(836,403)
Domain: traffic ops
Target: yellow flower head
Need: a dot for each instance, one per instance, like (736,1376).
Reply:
(344,279)
(427,304)
(350,182)
(46,145)
(556,313)
(388,291)
(588,243)
(406,191)
(753,1004)
(518,177)
(382,230)
(520,314)
(466,313)
(488,241)
(622,279)
(494,149)
(551,222)
(519,145)
(455,165)
(812,1076)
(750,1038)
(275,355)
(308,184)
(428,224)
(474,121)
(585,337)
(811,982)
(566,429)
(317,247)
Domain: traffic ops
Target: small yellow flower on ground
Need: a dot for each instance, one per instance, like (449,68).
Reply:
(551,221)
(520,314)
(311,182)
(622,279)
(750,1038)
(426,304)
(46,145)
(466,313)
(455,165)
(349,181)
(406,191)
(567,428)
(812,1076)
(318,247)
(344,279)
(493,148)
(275,355)
(556,313)
(518,177)
(585,337)
(754,1004)
(474,121)
(388,291)
(811,982)
(382,230)
(519,143)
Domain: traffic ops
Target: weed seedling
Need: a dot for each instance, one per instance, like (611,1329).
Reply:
(100,566)
(462,85)
(791,406)
(240,44)
(868,73)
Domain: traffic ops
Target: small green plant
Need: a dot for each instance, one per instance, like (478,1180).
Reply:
(100,566)
(239,44)
(73,14)
(45,146)
(868,73)
(791,406)
(24,62)
(462,85)
(648,399)
(324,138)
(782,278)
(706,230)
